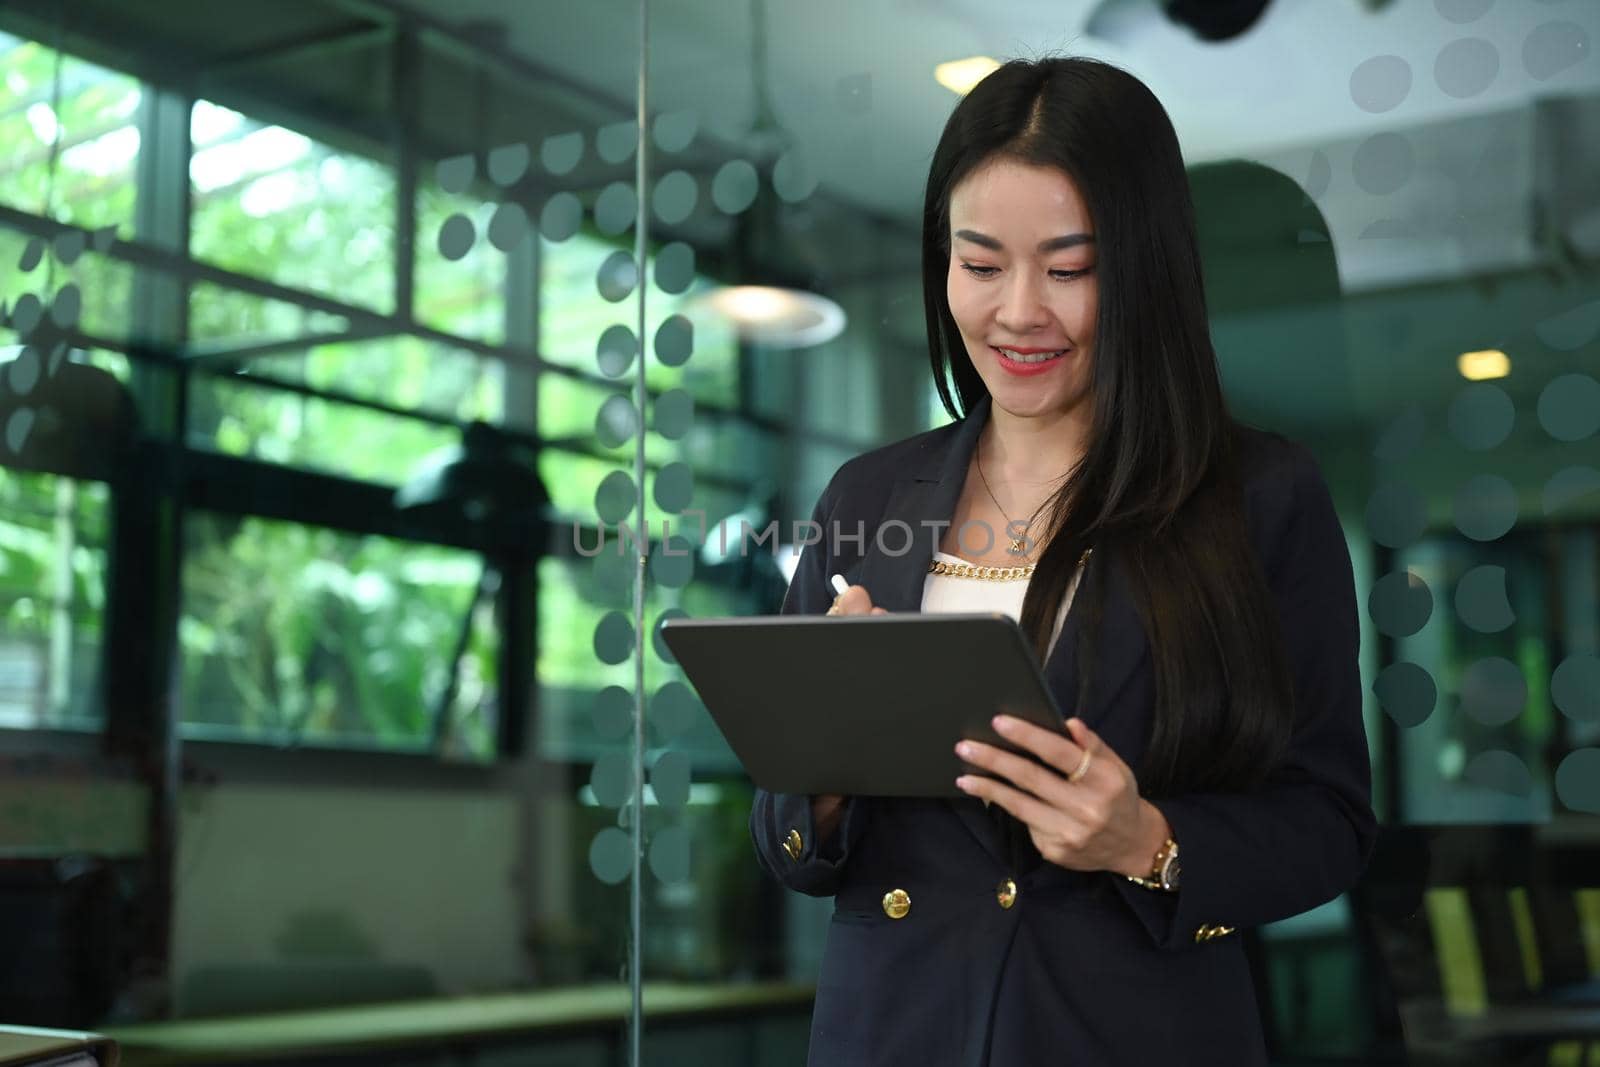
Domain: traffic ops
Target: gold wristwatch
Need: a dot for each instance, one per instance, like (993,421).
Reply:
(1163,869)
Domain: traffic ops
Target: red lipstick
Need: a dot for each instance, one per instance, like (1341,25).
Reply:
(1027,370)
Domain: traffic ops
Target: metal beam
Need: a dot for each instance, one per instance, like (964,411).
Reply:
(367,323)
(311,44)
(215,353)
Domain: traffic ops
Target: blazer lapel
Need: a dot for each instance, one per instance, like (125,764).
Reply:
(923,496)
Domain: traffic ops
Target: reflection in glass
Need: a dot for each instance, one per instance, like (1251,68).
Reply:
(296,634)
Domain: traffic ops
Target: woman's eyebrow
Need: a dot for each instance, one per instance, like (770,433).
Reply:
(1071,240)
(1053,244)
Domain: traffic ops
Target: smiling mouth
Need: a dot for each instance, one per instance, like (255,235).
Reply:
(1029,355)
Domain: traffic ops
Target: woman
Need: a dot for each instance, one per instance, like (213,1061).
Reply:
(1184,580)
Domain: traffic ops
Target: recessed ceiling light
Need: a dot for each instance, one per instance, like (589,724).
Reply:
(1481,366)
(960,75)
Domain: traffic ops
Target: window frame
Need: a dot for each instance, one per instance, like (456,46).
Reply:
(164,268)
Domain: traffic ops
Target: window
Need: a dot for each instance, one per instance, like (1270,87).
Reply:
(272,202)
(69,141)
(52,598)
(1492,713)
(460,290)
(295,634)
(300,629)
(573,315)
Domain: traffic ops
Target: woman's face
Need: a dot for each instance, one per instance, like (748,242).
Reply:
(1022,286)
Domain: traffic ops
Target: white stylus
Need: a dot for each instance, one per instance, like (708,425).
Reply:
(840,586)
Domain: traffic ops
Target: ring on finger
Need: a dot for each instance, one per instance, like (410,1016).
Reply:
(1082,768)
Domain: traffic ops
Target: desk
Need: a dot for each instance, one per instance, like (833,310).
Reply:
(29,1044)
(457,1023)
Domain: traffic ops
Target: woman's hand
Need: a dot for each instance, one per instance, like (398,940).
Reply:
(854,601)
(1093,820)
(827,809)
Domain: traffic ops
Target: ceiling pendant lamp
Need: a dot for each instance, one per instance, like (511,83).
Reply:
(770,306)
(777,316)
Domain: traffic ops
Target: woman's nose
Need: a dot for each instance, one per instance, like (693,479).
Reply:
(1022,306)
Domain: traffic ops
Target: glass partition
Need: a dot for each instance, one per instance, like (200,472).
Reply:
(378,375)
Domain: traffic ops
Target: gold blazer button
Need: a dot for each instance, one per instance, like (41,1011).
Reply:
(793,845)
(1006,893)
(897,904)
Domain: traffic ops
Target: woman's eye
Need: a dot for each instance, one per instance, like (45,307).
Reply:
(989,272)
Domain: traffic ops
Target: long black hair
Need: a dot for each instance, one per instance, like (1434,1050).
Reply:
(1158,490)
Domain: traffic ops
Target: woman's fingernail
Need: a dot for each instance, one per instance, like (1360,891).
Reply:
(1002,723)
(963,748)
(964,784)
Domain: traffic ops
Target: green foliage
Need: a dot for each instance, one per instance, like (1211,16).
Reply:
(465,297)
(246,419)
(270,202)
(298,634)
(291,633)
(52,595)
(573,316)
(92,185)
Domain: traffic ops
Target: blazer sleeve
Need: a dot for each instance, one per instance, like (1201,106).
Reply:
(1304,836)
(816,867)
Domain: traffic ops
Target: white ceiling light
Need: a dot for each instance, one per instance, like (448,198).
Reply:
(767,305)
(776,316)
(960,75)
(1481,366)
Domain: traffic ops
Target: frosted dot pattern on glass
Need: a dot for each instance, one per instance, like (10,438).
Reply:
(1380,84)
(1578,780)
(1500,772)
(1400,604)
(1575,687)
(1466,67)
(1396,515)
(1481,416)
(611,856)
(508,163)
(1493,691)
(1553,47)
(1406,692)
(613,638)
(1482,602)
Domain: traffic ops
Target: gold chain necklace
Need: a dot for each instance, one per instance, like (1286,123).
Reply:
(1017,543)
(990,574)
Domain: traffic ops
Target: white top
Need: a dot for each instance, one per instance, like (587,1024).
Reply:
(949,594)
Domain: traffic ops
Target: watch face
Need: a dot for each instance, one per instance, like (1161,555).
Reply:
(1169,874)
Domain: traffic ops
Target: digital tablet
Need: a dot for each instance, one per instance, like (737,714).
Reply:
(863,705)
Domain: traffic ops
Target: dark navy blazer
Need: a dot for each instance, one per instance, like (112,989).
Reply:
(1083,968)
